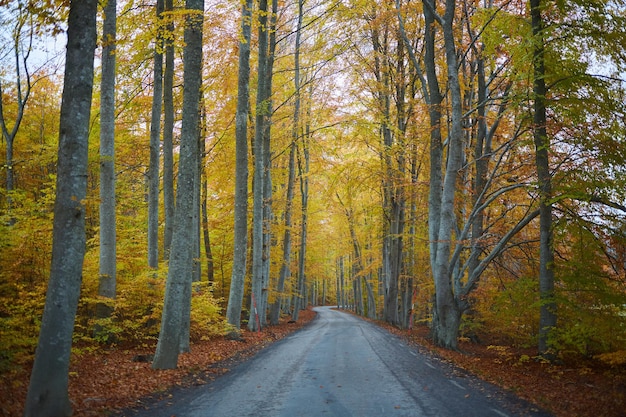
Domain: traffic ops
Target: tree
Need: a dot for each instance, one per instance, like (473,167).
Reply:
(285,268)
(108,261)
(47,391)
(169,201)
(262,119)
(547,318)
(304,168)
(178,287)
(21,50)
(240,253)
(155,146)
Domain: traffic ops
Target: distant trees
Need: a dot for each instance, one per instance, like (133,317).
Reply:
(20,49)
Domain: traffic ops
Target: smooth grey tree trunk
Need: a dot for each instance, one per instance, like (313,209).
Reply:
(285,269)
(303,170)
(240,251)
(433,99)
(262,114)
(108,262)
(178,287)
(169,201)
(155,148)
(48,388)
(446,320)
(267,171)
(548,308)
(210,272)
(195,244)
(393,161)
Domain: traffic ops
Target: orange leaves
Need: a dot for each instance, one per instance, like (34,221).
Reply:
(113,379)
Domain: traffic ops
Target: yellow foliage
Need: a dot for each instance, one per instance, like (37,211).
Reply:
(617,358)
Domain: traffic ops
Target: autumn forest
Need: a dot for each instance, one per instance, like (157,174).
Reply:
(449,163)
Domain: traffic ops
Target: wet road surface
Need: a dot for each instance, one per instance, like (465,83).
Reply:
(341,366)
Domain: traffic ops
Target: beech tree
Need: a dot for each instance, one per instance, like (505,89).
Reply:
(47,390)
(155,146)
(108,226)
(263,114)
(178,287)
(240,253)
(169,201)
(547,320)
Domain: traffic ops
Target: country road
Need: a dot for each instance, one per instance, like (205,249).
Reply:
(341,366)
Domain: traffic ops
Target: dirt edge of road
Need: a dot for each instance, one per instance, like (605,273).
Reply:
(105,382)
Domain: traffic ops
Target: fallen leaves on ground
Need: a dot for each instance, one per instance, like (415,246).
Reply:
(585,388)
(109,380)
(113,379)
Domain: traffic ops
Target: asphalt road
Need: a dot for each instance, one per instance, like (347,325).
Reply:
(341,366)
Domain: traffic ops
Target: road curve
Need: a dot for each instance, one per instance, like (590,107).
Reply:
(342,366)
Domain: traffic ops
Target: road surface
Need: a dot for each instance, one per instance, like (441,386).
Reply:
(341,366)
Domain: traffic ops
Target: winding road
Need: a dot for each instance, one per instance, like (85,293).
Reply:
(342,366)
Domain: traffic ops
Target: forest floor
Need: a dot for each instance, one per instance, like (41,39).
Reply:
(107,381)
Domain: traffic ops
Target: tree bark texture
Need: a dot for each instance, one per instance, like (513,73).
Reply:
(303,169)
(178,287)
(240,251)
(447,318)
(48,388)
(108,251)
(169,201)
(155,148)
(262,110)
(547,312)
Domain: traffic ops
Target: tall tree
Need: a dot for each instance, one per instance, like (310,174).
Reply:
(108,251)
(267,161)
(285,268)
(169,201)
(547,317)
(447,315)
(391,83)
(262,118)
(178,287)
(304,166)
(48,388)
(210,269)
(155,145)
(240,252)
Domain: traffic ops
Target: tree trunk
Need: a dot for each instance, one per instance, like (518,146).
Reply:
(48,388)
(433,100)
(262,116)
(195,243)
(155,148)
(108,262)
(447,318)
(547,312)
(240,252)
(169,202)
(178,287)
(267,162)
(285,269)
(23,85)
(304,191)
(210,273)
